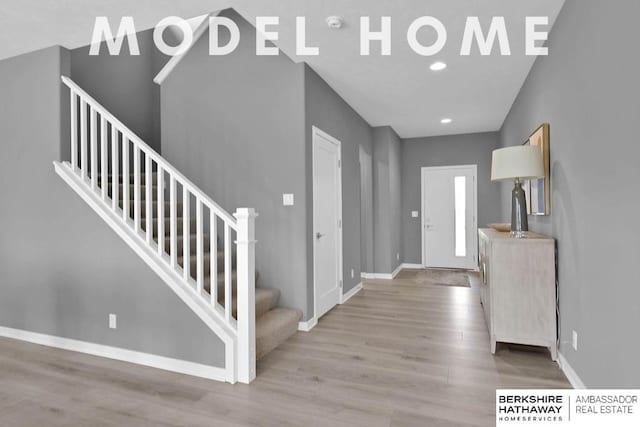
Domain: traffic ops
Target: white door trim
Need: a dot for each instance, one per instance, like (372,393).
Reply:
(474,242)
(318,132)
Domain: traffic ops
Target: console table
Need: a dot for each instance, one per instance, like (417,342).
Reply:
(518,289)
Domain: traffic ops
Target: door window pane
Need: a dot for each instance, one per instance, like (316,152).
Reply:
(460,187)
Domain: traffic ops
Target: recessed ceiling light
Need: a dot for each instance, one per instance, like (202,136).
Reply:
(438,66)
(335,22)
(445,121)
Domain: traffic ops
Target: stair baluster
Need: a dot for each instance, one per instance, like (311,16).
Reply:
(148,166)
(104,168)
(94,148)
(114,168)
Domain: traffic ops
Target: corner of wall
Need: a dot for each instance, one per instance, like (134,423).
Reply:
(65,132)
(308,160)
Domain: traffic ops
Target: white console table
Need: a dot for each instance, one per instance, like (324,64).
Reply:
(518,289)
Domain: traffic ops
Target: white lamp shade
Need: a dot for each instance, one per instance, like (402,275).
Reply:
(520,161)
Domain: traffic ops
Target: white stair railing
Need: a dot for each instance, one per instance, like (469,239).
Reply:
(105,153)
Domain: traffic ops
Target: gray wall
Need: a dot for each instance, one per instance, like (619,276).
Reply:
(240,125)
(235,126)
(387,192)
(446,151)
(326,110)
(124,84)
(588,90)
(63,269)
(396,251)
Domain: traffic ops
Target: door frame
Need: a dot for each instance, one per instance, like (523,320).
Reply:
(423,234)
(317,132)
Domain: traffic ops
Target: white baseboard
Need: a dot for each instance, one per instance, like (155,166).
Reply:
(571,375)
(308,325)
(139,358)
(345,297)
(411,266)
(384,276)
(396,271)
(379,276)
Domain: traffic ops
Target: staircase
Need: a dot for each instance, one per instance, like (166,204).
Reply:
(175,228)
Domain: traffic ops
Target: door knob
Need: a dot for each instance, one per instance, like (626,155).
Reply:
(319,235)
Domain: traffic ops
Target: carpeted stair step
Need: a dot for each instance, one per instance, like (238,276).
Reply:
(154,208)
(206,258)
(266,299)
(167,228)
(275,327)
(192,244)
(143,192)
(143,178)
(221,282)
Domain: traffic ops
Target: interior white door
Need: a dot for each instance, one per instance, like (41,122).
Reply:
(327,213)
(449,227)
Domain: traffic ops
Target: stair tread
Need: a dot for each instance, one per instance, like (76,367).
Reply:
(167,221)
(234,276)
(266,293)
(221,284)
(274,327)
(132,187)
(206,258)
(143,177)
(266,298)
(205,254)
(276,316)
(167,227)
(194,236)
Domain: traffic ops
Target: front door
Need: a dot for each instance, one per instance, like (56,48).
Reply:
(327,226)
(449,217)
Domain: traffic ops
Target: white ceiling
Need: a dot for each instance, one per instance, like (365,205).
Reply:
(398,90)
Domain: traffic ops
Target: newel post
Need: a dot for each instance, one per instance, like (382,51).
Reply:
(246,314)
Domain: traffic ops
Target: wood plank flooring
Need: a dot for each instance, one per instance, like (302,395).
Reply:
(399,353)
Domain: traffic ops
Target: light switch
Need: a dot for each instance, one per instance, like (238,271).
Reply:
(415,214)
(287,199)
(113,321)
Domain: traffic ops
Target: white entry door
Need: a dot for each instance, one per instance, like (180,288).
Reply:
(327,222)
(449,224)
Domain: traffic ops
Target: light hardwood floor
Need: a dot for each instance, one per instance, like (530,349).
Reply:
(399,353)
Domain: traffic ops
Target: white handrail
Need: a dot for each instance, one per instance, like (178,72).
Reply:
(200,30)
(91,167)
(166,166)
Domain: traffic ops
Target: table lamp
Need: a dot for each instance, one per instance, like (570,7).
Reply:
(518,163)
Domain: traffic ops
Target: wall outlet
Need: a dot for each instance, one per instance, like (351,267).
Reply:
(398,256)
(574,340)
(415,214)
(287,199)
(353,273)
(113,319)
